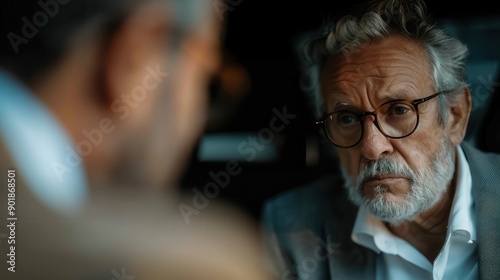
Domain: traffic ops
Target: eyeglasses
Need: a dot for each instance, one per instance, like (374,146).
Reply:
(395,119)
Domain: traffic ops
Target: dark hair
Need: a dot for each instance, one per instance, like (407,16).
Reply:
(36,33)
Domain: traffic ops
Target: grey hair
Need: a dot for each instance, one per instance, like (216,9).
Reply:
(377,20)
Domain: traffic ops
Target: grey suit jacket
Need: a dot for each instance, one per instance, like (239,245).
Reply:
(308,229)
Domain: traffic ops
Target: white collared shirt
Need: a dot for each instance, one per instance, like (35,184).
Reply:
(397,259)
(37,144)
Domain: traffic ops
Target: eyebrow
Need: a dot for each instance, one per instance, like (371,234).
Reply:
(340,103)
(343,102)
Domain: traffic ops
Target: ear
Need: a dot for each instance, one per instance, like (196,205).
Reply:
(458,117)
(137,48)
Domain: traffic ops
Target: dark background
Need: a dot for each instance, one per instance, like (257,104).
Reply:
(259,40)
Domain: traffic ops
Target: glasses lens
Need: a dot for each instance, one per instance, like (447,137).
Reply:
(397,119)
(343,128)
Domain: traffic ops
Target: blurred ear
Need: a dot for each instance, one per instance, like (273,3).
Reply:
(136,53)
(458,118)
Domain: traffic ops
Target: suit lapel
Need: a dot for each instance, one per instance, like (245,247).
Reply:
(486,194)
(488,225)
(347,260)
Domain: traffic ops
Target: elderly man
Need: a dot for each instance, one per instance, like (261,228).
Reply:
(102,100)
(419,203)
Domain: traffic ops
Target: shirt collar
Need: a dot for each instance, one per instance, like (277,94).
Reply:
(365,228)
(38,146)
(462,219)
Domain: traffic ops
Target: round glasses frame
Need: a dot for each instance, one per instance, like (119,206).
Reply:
(414,103)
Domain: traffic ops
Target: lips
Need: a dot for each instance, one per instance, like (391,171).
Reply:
(381,179)
(387,184)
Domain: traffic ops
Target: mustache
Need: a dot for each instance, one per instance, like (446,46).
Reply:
(384,167)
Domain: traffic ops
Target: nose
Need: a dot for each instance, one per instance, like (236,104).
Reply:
(374,143)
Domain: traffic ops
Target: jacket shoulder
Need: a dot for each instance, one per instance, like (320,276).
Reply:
(308,206)
(484,167)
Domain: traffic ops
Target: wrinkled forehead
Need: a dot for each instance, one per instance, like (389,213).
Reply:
(391,66)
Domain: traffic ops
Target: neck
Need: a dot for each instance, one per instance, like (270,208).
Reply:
(427,232)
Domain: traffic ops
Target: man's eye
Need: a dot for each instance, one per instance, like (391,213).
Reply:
(399,110)
(346,119)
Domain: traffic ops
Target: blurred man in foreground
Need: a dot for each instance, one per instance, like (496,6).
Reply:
(101,103)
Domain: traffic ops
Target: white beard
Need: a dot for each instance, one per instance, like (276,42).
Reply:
(427,186)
